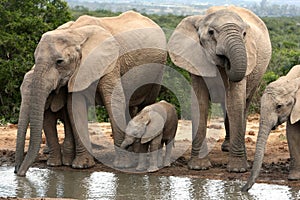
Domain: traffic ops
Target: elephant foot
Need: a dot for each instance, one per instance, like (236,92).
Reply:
(54,160)
(124,160)
(167,164)
(152,169)
(237,164)
(67,159)
(225,146)
(196,163)
(294,175)
(141,167)
(46,150)
(83,161)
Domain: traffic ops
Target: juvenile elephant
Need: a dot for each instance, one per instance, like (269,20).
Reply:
(226,52)
(153,127)
(280,103)
(89,56)
(55,109)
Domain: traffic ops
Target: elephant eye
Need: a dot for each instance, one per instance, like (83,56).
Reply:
(278,106)
(59,61)
(244,34)
(211,32)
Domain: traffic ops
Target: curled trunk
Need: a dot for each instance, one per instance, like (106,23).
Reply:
(127,142)
(235,51)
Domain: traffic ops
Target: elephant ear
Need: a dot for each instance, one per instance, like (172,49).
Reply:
(59,100)
(251,49)
(100,52)
(185,49)
(295,114)
(154,127)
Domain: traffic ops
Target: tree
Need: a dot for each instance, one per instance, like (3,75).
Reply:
(21,26)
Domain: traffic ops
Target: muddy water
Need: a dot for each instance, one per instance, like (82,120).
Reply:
(103,185)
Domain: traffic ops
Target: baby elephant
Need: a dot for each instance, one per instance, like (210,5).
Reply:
(153,127)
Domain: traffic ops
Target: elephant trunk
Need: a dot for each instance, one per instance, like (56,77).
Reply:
(233,48)
(127,141)
(39,94)
(22,129)
(264,131)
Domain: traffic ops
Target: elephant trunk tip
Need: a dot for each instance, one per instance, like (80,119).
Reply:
(247,186)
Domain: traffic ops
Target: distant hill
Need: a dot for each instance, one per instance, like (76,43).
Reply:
(191,7)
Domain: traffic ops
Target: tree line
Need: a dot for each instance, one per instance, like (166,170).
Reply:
(23,23)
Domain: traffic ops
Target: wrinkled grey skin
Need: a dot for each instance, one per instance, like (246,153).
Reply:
(56,109)
(153,127)
(89,56)
(280,103)
(226,52)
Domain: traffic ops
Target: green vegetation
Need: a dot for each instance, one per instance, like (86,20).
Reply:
(21,26)
(23,22)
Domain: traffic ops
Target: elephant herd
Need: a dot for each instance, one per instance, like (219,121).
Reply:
(118,62)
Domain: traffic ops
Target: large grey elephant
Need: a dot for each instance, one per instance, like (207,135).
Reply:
(153,127)
(280,103)
(90,56)
(230,44)
(55,109)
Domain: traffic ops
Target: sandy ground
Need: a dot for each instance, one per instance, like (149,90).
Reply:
(275,166)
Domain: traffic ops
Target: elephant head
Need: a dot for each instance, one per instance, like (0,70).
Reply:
(279,103)
(71,57)
(147,125)
(200,44)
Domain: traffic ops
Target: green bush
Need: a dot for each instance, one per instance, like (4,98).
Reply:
(23,22)
(21,26)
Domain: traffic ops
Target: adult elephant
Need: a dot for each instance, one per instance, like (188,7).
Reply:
(90,56)
(230,44)
(55,109)
(279,103)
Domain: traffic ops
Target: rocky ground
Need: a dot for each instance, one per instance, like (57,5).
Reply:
(275,166)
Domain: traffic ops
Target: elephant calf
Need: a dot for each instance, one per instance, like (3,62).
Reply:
(153,127)
(280,103)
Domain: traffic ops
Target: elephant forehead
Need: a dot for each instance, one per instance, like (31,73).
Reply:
(223,17)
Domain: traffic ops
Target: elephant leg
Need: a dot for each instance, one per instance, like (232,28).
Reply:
(199,125)
(50,130)
(293,137)
(226,144)
(142,165)
(167,159)
(236,110)
(155,149)
(112,92)
(68,150)
(77,110)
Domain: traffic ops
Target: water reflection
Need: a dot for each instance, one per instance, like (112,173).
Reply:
(103,185)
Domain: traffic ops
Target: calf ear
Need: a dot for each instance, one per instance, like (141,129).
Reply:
(295,115)
(154,127)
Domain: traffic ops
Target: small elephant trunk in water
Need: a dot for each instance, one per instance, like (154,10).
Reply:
(259,155)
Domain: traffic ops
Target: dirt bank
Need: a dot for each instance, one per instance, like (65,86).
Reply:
(275,167)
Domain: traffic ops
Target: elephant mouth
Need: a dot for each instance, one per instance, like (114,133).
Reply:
(223,62)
